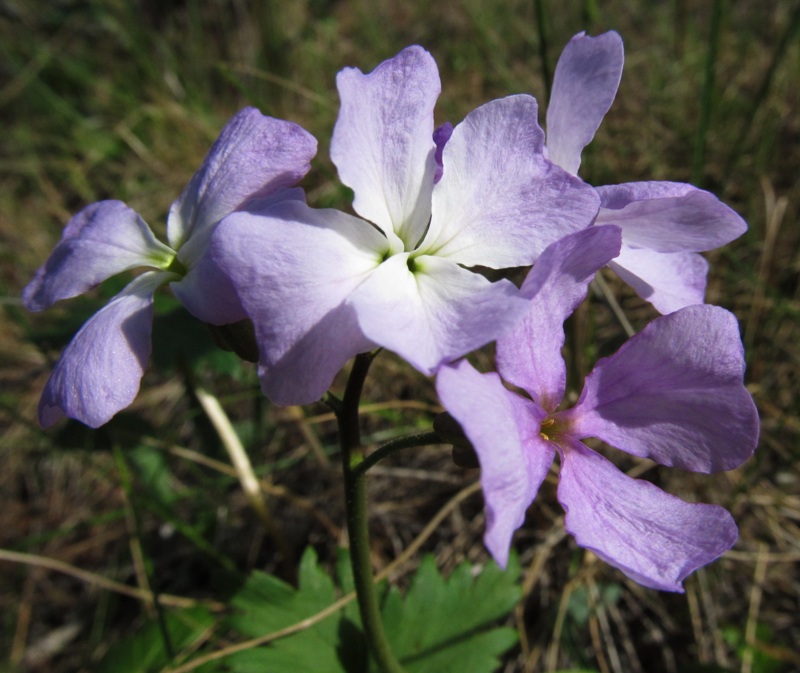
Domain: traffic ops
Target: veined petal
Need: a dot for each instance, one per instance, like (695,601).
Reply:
(293,268)
(584,86)
(440,136)
(503,427)
(655,538)
(529,354)
(206,291)
(668,216)
(101,368)
(383,145)
(668,280)
(100,241)
(254,156)
(436,313)
(674,393)
(208,294)
(500,203)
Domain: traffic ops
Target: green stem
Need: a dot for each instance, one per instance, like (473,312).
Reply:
(355,496)
(544,63)
(395,445)
(698,168)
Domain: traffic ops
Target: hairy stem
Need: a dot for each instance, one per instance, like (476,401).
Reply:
(357,520)
(395,445)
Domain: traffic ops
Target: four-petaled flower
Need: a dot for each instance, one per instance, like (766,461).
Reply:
(255,160)
(664,224)
(322,285)
(673,393)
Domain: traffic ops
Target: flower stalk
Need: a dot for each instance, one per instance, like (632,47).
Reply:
(357,519)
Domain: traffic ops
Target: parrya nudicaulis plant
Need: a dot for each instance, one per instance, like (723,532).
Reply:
(438,211)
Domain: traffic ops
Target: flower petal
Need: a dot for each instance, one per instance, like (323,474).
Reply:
(206,291)
(503,427)
(383,144)
(500,203)
(254,156)
(584,86)
(101,368)
(208,294)
(655,538)
(668,216)
(102,240)
(674,393)
(436,313)
(668,280)
(440,136)
(529,355)
(293,268)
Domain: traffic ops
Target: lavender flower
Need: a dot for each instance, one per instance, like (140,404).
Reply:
(673,393)
(254,160)
(322,285)
(664,224)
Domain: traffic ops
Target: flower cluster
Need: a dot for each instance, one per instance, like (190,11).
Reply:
(255,161)
(433,207)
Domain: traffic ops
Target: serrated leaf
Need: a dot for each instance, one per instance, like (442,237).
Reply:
(448,625)
(441,626)
(265,604)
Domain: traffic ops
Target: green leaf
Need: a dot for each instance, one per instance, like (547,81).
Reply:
(266,604)
(442,625)
(147,651)
(449,625)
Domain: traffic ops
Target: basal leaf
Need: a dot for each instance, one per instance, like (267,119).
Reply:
(441,626)
(265,604)
(450,625)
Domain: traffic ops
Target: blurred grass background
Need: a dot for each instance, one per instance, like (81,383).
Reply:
(121,99)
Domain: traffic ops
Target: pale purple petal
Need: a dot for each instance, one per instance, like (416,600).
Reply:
(655,538)
(383,144)
(293,268)
(440,136)
(668,216)
(436,313)
(504,428)
(206,291)
(584,86)
(529,355)
(674,393)
(208,294)
(101,241)
(101,368)
(500,203)
(669,281)
(254,156)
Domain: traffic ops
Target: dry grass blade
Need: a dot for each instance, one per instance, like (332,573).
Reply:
(103,582)
(241,463)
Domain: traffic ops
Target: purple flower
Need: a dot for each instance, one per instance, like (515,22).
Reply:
(254,160)
(323,285)
(664,224)
(673,393)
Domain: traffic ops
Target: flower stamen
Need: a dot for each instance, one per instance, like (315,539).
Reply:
(547,423)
